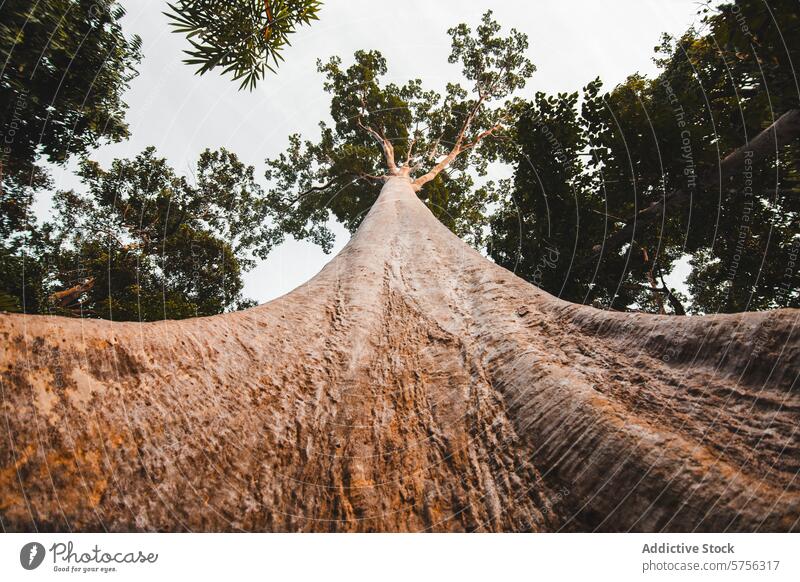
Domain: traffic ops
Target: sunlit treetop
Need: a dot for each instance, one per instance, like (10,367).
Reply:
(381,130)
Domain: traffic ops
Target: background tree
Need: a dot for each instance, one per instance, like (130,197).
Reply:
(639,185)
(569,189)
(65,66)
(382,130)
(242,37)
(144,244)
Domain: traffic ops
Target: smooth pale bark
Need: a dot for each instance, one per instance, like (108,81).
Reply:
(411,385)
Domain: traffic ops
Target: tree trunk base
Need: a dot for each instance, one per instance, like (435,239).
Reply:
(412,385)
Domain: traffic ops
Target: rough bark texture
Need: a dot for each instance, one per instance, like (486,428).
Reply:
(411,385)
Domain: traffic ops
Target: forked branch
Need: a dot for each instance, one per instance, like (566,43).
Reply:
(386,145)
(458,148)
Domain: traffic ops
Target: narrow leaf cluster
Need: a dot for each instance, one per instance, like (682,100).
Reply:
(244,38)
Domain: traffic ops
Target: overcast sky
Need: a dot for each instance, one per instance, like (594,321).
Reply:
(571,42)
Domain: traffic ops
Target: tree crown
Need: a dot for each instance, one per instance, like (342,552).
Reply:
(381,130)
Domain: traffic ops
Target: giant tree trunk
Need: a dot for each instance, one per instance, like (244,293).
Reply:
(411,385)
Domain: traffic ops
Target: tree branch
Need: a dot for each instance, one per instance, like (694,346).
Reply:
(456,149)
(268,10)
(386,145)
(388,148)
(617,218)
(777,135)
(320,188)
(366,176)
(651,279)
(103,230)
(677,306)
(69,296)
(330,183)
(410,150)
(448,159)
(481,136)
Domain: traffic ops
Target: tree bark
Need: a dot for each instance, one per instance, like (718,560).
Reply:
(411,385)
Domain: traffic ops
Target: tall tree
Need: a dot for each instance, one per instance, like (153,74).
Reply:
(244,38)
(385,130)
(412,385)
(65,66)
(701,160)
(144,244)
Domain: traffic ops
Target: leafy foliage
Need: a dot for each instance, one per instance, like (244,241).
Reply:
(66,64)
(144,244)
(384,129)
(242,37)
(554,212)
(582,174)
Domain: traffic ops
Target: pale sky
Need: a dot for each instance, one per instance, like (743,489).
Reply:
(571,43)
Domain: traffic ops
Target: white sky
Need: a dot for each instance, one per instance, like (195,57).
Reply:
(572,42)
